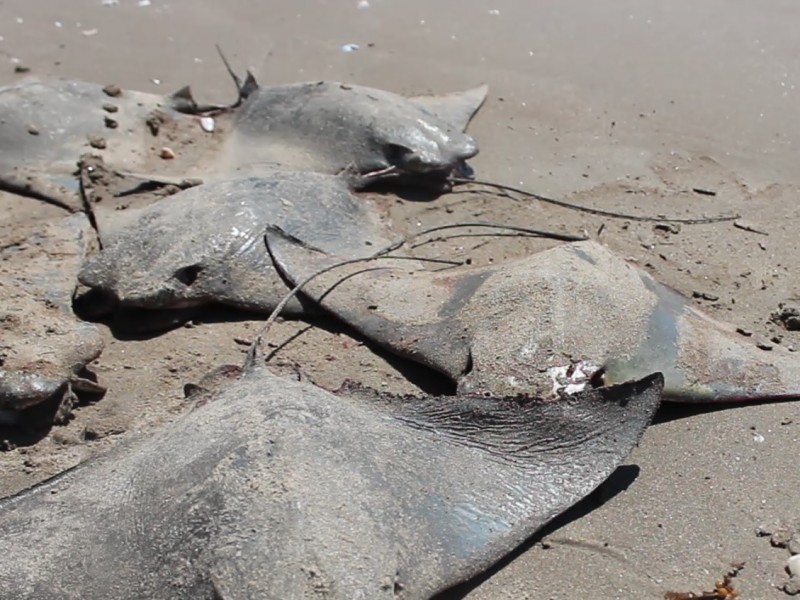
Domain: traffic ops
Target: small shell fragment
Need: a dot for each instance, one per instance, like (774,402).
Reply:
(167,153)
(207,123)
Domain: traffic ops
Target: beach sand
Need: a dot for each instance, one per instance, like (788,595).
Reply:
(627,106)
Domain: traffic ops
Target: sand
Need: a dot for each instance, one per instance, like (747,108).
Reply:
(624,106)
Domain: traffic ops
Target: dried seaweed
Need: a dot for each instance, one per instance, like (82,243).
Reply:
(507,189)
(723,590)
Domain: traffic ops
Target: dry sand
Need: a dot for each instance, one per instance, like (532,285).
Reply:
(625,105)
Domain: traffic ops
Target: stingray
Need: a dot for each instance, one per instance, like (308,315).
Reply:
(205,245)
(46,126)
(44,348)
(328,126)
(547,324)
(275,488)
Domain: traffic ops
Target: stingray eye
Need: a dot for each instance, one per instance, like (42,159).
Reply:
(399,155)
(188,275)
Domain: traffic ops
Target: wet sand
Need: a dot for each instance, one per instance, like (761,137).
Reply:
(624,106)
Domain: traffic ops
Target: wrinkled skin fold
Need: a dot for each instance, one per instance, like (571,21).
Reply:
(274,488)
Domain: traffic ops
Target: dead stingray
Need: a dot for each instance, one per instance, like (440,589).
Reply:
(44,348)
(278,489)
(48,125)
(553,322)
(205,245)
(329,126)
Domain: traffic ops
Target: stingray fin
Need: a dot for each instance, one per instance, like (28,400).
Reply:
(249,86)
(457,108)
(704,360)
(356,292)
(183,101)
(423,493)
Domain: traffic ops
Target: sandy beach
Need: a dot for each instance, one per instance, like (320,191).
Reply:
(630,106)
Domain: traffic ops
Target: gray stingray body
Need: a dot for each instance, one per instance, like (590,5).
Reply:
(277,489)
(44,347)
(48,125)
(329,126)
(546,324)
(206,244)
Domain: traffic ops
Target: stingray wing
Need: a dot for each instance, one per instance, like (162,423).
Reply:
(703,359)
(487,473)
(457,108)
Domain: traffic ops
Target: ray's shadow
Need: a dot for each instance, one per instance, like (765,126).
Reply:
(146,324)
(20,429)
(674,411)
(426,379)
(407,191)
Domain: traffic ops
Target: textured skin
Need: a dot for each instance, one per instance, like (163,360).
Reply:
(278,489)
(330,126)
(509,328)
(206,244)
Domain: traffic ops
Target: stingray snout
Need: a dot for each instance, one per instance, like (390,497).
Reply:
(464,149)
(431,156)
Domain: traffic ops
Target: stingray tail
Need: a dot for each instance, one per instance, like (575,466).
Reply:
(243,90)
